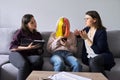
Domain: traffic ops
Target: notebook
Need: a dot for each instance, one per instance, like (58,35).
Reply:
(26,42)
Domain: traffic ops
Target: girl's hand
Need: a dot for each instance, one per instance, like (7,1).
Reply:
(63,42)
(76,32)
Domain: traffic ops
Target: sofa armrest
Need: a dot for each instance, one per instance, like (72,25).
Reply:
(4,59)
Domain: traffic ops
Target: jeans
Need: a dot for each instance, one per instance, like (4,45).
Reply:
(61,57)
(25,64)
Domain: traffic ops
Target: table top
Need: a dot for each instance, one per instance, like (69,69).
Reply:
(38,75)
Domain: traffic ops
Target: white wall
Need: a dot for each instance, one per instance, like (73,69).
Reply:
(47,12)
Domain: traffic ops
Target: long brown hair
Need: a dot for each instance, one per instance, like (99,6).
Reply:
(95,15)
(25,20)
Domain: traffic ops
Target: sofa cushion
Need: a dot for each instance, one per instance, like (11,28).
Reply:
(5,39)
(117,66)
(47,66)
(114,42)
(114,74)
(79,48)
(46,36)
(4,59)
(8,72)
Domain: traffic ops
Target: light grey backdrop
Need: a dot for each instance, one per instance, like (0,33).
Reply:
(47,12)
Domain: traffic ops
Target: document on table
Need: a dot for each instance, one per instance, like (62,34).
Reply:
(67,76)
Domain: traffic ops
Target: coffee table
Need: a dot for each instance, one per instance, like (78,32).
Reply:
(38,75)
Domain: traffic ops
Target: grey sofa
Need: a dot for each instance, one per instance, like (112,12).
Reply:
(9,72)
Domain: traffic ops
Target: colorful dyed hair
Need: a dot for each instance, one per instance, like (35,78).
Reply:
(59,32)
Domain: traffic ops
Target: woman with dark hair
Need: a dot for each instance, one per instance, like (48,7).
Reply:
(26,57)
(95,51)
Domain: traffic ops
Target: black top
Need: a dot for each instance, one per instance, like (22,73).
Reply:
(20,35)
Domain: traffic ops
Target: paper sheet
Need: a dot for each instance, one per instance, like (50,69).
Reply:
(67,76)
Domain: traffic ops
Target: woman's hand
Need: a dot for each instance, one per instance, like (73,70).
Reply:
(83,35)
(30,46)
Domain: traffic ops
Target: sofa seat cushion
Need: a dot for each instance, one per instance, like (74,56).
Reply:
(114,74)
(47,66)
(46,36)
(8,72)
(117,65)
(4,59)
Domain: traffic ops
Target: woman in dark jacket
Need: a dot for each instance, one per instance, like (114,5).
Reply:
(26,57)
(95,51)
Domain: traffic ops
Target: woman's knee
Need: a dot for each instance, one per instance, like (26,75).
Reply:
(14,57)
(18,60)
(98,60)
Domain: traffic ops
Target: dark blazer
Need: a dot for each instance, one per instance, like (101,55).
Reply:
(100,46)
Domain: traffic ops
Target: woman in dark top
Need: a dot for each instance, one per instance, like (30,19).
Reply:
(95,51)
(26,58)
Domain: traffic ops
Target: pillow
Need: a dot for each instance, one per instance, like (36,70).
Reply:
(6,35)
